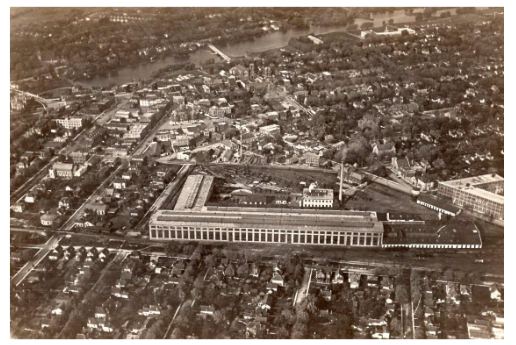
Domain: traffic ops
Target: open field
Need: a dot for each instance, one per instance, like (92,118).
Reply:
(379,198)
(286,177)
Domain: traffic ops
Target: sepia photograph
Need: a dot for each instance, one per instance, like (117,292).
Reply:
(256,172)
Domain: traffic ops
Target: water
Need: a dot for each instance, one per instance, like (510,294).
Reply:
(272,40)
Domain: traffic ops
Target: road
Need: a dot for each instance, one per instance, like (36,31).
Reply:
(140,148)
(52,242)
(68,225)
(171,189)
(101,119)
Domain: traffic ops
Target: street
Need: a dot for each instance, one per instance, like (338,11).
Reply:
(52,242)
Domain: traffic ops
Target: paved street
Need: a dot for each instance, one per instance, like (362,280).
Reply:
(52,242)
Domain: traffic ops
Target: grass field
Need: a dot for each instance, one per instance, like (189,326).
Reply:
(379,198)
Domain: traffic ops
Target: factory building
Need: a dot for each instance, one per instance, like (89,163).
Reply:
(268,225)
(482,194)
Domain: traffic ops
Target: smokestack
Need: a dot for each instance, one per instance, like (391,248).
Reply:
(341,178)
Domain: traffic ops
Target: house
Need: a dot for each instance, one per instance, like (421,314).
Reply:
(57,310)
(119,184)
(49,219)
(277,279)
(354,280)
(384,149)
(30,198)
(99,209)
(19,207)
(272,287)
(100,313)
(312,159)
(64,203)
(326,295)
(207,310)
(45,323)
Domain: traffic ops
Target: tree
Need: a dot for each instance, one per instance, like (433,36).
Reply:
(402,294)
(230,271)
(243,270)
(289,316)
(299,331)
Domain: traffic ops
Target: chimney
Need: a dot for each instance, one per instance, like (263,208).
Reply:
(341,178)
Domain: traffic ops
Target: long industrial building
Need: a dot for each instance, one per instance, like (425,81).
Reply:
(482,194)
(192,220)
(269,225)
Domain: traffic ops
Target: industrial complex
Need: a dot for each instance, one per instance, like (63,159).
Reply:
(191,220)
(482,194)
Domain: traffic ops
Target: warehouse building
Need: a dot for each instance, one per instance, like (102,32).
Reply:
(438,205)
(482,194)
(268,225)
(196,191)
(317,197)
(432,234)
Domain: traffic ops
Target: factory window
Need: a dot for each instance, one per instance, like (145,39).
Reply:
(302,238)
(269,237)
(224,236)
(160,233)
(328,239)
(210,235)
(282,238)
(309,239)
(192,234)
(153,234)
(296,238)
(180,234)
(198,234)
(237,236)
(276,238)
(335,239)
(217,235)
(256,237)
(263,237)
(361,240)
(355,239)
(172,233)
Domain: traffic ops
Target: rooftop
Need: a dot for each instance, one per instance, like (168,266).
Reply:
(271,218)
(195,192)
(432,232)
(318,193)
(470,184)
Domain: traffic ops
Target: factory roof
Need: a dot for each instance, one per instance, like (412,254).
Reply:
(432,232)
(470,185)
(195,192)
(268,218)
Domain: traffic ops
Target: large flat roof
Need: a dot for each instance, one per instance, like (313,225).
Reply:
(263,218)
(469,184)
(432,232)
(194,193)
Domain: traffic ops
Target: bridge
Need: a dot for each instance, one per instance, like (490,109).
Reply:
(43,101)
(219,53)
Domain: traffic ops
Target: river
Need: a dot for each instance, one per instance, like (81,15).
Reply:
(273,40)
(276,39)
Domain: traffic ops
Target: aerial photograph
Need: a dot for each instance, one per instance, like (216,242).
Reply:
(256,172)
